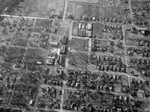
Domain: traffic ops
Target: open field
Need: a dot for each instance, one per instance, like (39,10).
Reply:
(78,59)
(79,44)
(35,8)
(14,54)
(34,56)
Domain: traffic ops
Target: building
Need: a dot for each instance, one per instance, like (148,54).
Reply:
(140,30)
(63,50)
(50,61)
(64,40)
(81,29)
(54,44)
(89,26)
(61,60)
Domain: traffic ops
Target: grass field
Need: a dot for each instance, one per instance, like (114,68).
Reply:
(78,60)
(14,54)
(79,44)
(34,55)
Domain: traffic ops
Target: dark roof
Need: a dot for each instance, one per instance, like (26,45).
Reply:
(64,40)
(61,60)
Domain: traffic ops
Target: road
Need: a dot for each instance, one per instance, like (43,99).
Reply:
(89,51)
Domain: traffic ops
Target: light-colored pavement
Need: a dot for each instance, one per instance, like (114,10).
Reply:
(26,17)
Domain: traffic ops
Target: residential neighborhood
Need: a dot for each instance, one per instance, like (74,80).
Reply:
(74,56)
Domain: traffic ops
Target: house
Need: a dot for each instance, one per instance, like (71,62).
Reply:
(144,32)
(89,26)
(140,93)
(51,58)
(59,71)
(50,61)
(81,29)
(82,26)
(31,102)
(134,30)
(54,44)
(141,30)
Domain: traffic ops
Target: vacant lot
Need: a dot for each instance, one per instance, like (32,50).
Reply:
(43,23)
(79,44)
(34,56)
(79,60)
(5,94)
(14,54)
(39,40)
(77,10)
(3,50)
(19,42)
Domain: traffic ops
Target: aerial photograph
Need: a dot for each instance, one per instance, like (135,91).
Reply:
(74,55)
